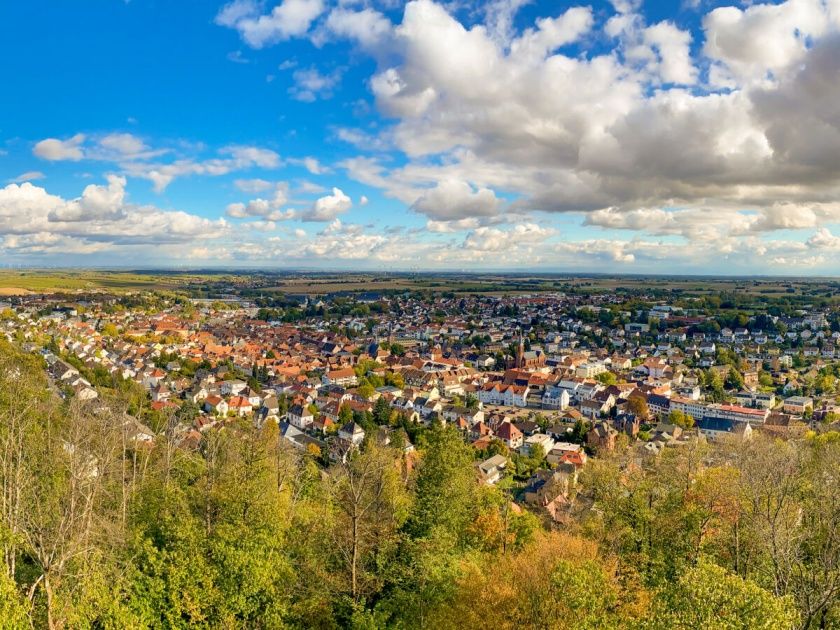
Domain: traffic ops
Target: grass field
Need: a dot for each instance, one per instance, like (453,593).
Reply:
(47,281)
(21,282)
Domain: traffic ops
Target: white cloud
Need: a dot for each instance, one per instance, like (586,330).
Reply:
(236,56)
(606,133)
(28,176)
(487,240)
(451,199)
(368,27)
(764,38)
(125,144)
(112,147)
(54,149)
(235,158)
(96,202)
(311,164)
(32,221)
(269,209)
(458,225)
(311,85)
(308,188)
(290,18)
(253,185)
(552,33)
(327,208)
(824,239)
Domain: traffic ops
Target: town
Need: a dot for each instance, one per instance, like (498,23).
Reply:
(535,383)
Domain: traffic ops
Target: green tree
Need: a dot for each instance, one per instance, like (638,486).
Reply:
(365,390)
(708,596)
(680,418)
(345,414)
(607,378)
(734,379)
(381,411)
(445,488)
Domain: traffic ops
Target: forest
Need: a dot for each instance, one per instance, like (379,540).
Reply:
(241,530)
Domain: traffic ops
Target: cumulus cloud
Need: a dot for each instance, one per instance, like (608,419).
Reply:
(612,134)
(33,221)
(96,202)
(493,107)
(452,199)
(54,149)
(367,27)
(290,18)
(824,239)
(552,33)
(458,225)
(748,44)
(328,207)
(269,209)
(109,147)
(721,137)
(484,240)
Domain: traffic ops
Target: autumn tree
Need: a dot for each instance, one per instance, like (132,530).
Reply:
(371,505)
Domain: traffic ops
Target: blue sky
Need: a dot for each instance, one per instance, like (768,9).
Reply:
(624,136)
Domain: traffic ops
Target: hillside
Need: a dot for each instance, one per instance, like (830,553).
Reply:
(241,531)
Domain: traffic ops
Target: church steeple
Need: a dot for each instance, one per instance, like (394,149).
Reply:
(520,351)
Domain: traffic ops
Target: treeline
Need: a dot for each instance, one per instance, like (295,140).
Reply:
(239,530)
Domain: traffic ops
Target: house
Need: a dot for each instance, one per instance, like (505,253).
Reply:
(510,435)
(270,410)
(560,449)
(480,430)
(427,407)
(601,437)
(628,423)
(555,398)
(492,469)
(345,377)
(655,367)
(233,387)
(216,404)
(577,459)
(797,404)
(298,438)
(537,439)
(160,393)
(300,417)
(549,490)
(352,433)
(500,394)
(451,413)
(198,394)
(240,405)
(590,369)
(594,408)
(61,370)
(153,378)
